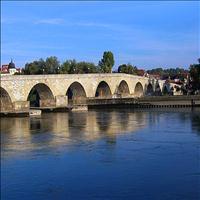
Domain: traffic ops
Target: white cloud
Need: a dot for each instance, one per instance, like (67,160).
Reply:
(60,21)
(92,24)
(53,21)
(13,20)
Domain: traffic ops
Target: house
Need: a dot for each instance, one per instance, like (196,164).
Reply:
(9,69)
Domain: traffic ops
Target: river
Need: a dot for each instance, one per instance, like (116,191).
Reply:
(102,154)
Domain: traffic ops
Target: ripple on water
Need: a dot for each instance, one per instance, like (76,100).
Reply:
(116,154)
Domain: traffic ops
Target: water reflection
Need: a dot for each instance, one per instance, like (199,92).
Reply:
(106,154)
(54,129)
(57,129)
(196,121)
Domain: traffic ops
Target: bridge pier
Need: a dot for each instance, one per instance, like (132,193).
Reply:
(61,101)
(21,106)
(47,103)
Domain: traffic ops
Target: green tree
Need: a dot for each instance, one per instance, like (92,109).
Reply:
(65,67)
(87,67)
(127,69)
(107,62)
(52,65)
(35,67)
(73,67)
(69,67)
(170,72)
(195,76)
(122,68)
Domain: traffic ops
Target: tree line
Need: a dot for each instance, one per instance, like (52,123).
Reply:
(53,66)
(172,73)
(194,79)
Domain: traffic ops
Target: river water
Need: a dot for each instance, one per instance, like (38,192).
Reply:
(102,154)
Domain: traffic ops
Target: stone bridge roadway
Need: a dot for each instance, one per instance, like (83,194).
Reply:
(18,91)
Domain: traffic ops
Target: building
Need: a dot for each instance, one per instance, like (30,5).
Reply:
(9,69)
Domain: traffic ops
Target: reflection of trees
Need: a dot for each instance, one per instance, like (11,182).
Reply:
(191,116)
(196,121)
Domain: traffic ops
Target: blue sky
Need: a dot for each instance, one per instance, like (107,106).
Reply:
(145,34)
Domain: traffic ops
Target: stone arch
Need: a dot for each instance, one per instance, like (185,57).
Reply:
(123,89)
(5,101)
(149,90)
(158,91)
(165,90)
(138,89)
(103,90)
(41,96)
(76,93)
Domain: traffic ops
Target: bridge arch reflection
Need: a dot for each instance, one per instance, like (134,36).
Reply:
(21,135)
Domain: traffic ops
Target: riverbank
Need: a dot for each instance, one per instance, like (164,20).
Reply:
(138,103)
(147,102)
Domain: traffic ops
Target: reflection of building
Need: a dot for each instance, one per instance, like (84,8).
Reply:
(9,69)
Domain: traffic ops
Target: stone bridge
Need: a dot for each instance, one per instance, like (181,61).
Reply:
(18,92)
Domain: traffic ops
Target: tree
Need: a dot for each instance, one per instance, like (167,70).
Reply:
(87,67)
(195,76)
(65,67)
(107,62)
(173,73)
(122,68)
(73,67)
(52,65)
(35,67)
(128,69)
